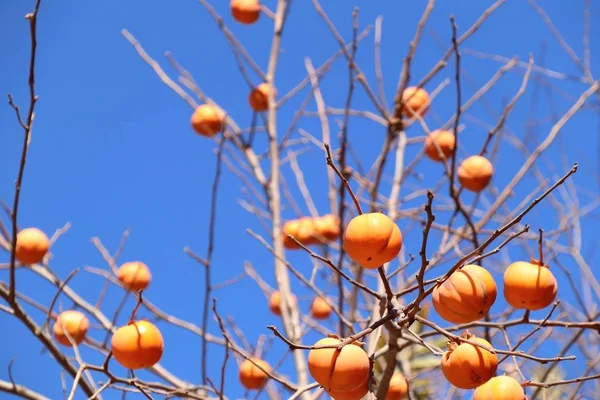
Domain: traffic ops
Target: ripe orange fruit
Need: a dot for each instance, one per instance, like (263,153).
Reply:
(475,173)
(466,296)
(354,394)
(319,309)
(290,228)
(137,345)
(398,387)
(339,370)
(32,246)
(275,302)
(245,11)
(467,366)
(259,97)
(500,388)
(134,276)
(303,230)
(327,227)
(372,239)
(306,231)
(529,286)
(445,141)
(73,322)
(251,376)
(208,120)
(415,101)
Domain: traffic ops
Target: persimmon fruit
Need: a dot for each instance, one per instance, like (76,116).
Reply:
(327,227)
(445,142)
(319,308)
(73,322)
(245,12)
(251,375)
(415,101)
(137,345)
(398,387)
(354,394)
(303,230)
(306,231)
(372,239)
(466,296)
(475,173)
(208,120)
(134,275)
(259,97)
(290,228)
(467,366)
(32,246)
(529,285)
(275,302)
(339,370)
(500,388)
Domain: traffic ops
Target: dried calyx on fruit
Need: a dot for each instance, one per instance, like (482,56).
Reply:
(339,370)
(529,285)
(467,366)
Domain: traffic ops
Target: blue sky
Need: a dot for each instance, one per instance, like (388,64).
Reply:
(112,147)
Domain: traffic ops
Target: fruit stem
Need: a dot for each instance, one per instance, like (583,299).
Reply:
(453,344)
(466,335)
(540,241)
(137,306)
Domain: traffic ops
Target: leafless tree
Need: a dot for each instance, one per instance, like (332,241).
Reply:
(387,309)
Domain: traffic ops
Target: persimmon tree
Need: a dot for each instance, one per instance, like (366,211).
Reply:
(450,265)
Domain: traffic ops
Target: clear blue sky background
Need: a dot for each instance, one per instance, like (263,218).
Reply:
(112,147)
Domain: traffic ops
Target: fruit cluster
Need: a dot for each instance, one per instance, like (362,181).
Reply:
(137,345)
(319,309)
(371,240)
(467,296)
(308,231)
(475,172)
(208,119)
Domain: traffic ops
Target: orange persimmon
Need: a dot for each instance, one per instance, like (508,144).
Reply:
(529,286)
(134,275)
(475,173)
(354,394)
(137,345)
(327,227)
(444,140)
(290,228)
(339,370)
(398,387)
(208,120)
(415,101)
(466,296)
(500,388)
(319,308)
(467,366)
(245,12)
(259,97)
(275,302)
(251,375)
(73,322)
(303,230)
(32,246)
(372,239)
